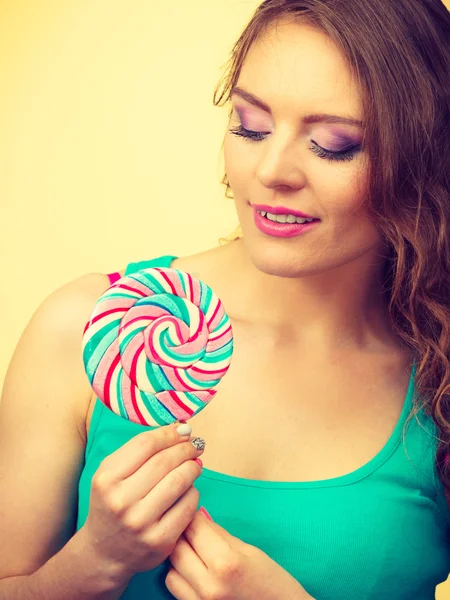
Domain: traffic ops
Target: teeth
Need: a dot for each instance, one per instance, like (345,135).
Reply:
(284,218)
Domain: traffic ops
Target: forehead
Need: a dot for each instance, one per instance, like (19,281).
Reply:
(295,67)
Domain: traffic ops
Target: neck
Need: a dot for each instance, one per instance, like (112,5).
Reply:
(340,309)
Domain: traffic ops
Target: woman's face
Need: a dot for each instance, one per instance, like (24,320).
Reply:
(296,71)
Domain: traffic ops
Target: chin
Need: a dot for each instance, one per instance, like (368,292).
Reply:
(276,260)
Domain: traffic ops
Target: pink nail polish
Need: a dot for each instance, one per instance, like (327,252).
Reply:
(199,462)
(205,513)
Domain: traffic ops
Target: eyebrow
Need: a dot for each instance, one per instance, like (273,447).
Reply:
(315,118)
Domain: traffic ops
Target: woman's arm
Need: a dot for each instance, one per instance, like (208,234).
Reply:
(70,574)
(42,441)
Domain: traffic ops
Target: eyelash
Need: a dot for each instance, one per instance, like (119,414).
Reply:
(257,136)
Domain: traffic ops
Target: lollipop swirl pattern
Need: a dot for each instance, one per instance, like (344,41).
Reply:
(156,345)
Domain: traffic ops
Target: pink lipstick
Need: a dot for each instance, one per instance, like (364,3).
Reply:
(283,230)
(281,210)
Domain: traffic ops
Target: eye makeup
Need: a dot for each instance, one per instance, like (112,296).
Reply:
(335,139)
(335,145)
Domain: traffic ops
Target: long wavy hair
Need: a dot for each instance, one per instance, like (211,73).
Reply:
(399,53)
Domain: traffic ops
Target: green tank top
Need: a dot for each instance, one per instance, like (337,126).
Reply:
(380,532)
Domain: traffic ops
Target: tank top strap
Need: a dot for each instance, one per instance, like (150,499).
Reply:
(161,261)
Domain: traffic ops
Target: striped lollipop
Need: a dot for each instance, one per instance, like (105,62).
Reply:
(156,345)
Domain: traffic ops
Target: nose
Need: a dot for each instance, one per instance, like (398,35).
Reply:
(280,165)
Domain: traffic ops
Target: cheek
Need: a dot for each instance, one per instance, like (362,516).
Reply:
(343,191)
(351,226)
(344,199)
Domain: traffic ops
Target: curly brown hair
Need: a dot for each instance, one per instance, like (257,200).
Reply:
(399,53)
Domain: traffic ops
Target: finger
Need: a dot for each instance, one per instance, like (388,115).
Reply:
(190,571)
(164,495)
(207,539)
(129,457)
(175,520)
(187,563)
(139,484)
(234,542)
(226,535)
(179,587)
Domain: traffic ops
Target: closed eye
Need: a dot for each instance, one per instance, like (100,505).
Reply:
(257,136)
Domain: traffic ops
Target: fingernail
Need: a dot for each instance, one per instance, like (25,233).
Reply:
(199,462)
(205,513)
(184,429)
(199,443)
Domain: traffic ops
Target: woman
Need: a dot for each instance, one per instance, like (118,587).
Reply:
(319,481)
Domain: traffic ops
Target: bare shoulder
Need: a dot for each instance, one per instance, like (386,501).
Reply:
(66,310)
(82,290)
(56,330)
(77,299)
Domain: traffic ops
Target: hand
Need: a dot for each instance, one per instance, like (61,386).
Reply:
(142,499)
(208,562)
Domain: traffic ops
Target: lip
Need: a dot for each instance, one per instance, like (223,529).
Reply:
(281,230)
(281,210)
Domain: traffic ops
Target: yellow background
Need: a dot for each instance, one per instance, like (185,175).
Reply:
(109,140)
